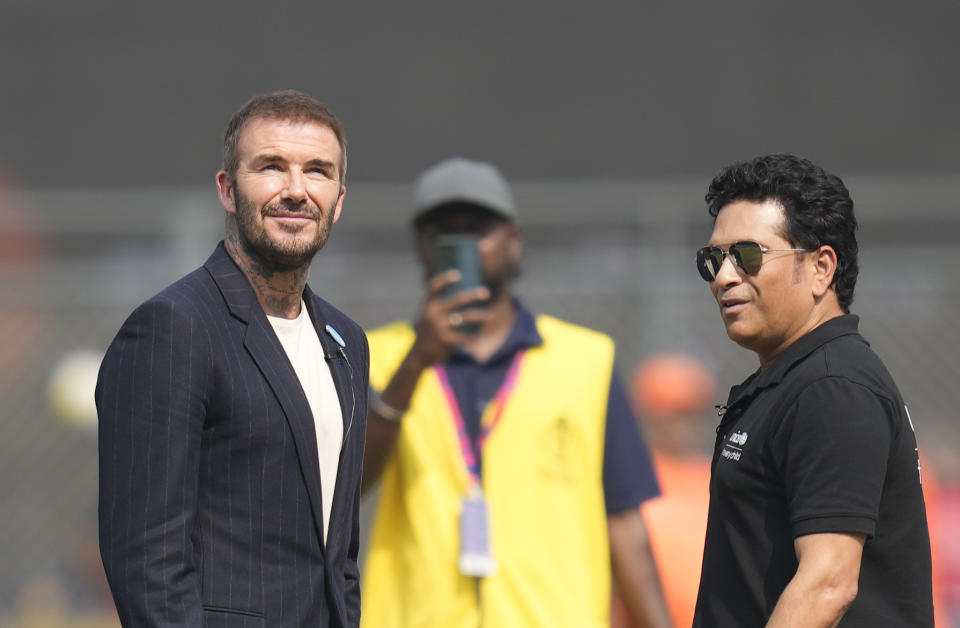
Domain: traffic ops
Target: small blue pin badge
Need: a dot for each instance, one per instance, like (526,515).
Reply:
(335,335)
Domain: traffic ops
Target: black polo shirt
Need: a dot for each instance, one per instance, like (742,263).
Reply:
(820,441)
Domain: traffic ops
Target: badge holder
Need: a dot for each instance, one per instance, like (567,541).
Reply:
(475,558)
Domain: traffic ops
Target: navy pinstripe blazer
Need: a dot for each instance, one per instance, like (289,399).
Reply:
(210,510)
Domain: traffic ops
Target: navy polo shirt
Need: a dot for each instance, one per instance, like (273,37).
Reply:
(628,475)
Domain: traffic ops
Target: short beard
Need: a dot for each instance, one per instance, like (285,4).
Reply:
(276,255)
(497,283)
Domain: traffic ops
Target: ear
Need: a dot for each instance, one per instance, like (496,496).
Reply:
(226,192)
(339,206)
(824,268)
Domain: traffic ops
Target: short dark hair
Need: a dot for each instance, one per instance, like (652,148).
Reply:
(289,105)
(817,206)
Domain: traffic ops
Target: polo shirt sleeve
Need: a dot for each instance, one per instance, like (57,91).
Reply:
(628,475)
(834,445)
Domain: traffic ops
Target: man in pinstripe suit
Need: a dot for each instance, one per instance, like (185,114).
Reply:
(232,406)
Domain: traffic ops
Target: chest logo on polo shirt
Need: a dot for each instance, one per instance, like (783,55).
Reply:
(733,448)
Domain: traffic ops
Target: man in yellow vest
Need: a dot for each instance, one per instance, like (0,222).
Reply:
(510,462)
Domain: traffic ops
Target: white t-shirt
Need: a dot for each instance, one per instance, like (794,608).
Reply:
(303,348)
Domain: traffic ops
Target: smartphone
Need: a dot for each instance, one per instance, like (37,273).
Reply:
(459,252)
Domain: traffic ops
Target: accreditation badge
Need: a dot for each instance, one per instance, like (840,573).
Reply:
(475,559)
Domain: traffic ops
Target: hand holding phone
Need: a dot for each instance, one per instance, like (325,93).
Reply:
(459,252)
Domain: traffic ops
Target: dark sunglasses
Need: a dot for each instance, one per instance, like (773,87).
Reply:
(747,255)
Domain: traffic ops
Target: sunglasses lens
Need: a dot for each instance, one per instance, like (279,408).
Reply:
(748,255)
(709,259)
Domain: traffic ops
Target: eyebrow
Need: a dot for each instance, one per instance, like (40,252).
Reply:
(267,159)
(322,163)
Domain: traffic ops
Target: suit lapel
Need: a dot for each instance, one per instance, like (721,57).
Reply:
(343,376)
(340,367)
(264,347)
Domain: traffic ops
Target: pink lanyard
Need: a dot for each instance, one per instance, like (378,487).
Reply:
(500,402)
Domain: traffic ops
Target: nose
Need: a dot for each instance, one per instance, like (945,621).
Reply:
(294,188)
(728,274)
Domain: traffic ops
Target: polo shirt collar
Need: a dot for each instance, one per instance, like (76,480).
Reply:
(523,335)
(844,325)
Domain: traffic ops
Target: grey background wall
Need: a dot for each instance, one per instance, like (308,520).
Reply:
(105,92)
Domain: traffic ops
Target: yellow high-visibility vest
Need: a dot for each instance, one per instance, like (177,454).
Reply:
(542,479)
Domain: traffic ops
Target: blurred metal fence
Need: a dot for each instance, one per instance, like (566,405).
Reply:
(612,254)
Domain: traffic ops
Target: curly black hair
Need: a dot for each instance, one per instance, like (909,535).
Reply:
(817,206)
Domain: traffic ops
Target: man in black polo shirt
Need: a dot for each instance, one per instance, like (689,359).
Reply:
(816,511)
